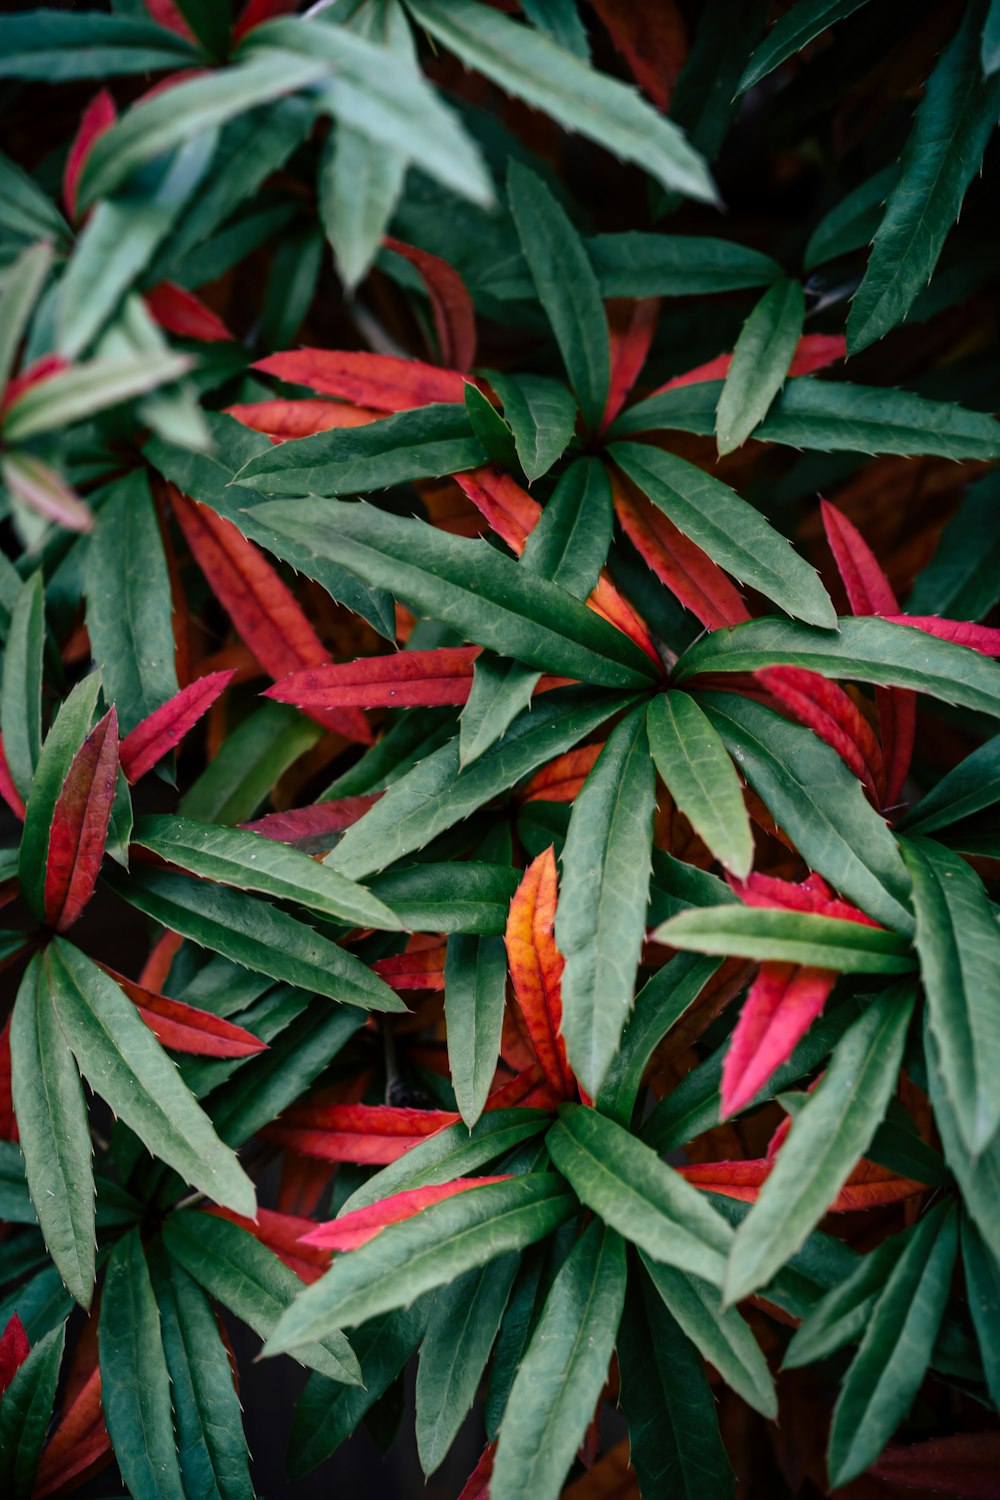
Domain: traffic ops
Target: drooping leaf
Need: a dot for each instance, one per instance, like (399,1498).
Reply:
(761,359)
(21,289)
(698,773)
(253,933)
(829,1134)
(135,1381)
(887,1371)
(54,1132)
(120,1058)
(732,533)
(631,1189)
(563,1371)
(601,912)
(977,1176)
(953,123)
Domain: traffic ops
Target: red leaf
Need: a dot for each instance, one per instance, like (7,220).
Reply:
(562,778)
(155,736)
(869,1185)
(529,1089)
(371,1134)
(419,969)
(961,632)
(783,1002)
(376,380)
(185,1028)
(156,969)
(98,117)
(182,313)
(653,41)
(294,419)
(964,1467)
(606,601)
(813,352)
(306,825)
(264,612)
(166,13)
(631,325)
(811,895)
(79,1446)
(824,707)
(451,305)
(8,791)
(689,573)
(477,1486)
(357,1228)
(80,825)
(536,967)
(400,680)
(283,1233)
(256,12)
(8,1119)
(35,374)
(14,1350)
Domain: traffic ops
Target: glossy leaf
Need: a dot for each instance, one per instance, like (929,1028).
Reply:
(541,414)
(791,33)
(475,978)
(25,1413)
(761,359)
(157,734)
(694,766)
(80,821)
(536,968)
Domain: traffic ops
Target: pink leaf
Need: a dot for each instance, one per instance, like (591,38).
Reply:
(256,12)
(961,632)
(377,380)
(167,13)
(80,825)
(824,707)
(631,326)
(183,314)
(39,487)
(167,725)
(811,895)
(8,1119)
(98,117)
(783,1002)
(14,1350)
(357,1228)
(451,305)
(395,681)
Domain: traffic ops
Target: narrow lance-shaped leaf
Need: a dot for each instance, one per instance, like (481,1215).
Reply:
(26,1412)
(54,1132)
(475,978)
(563,1371)
(600,919)
(62,742)
(163,729)
(959,946)
(788,937)
(699,775)
(982,1280)
(21,289)
(541,413)
(21,693)
(829,1134)
(761,359)
(536,968)
(80,822)
(791,33)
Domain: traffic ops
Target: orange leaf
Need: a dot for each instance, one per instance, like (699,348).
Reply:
(631,325)
(451,305)
(562,778)
(419,969)
(536,967)
(79,1446)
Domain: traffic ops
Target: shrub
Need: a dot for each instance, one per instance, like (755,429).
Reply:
(578,963)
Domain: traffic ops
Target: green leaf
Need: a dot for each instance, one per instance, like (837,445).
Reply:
(22,286)
(454,1152)
(978,1177)
(962,579)
(676,265)
(791,937)
(944,150)
(560,20)
(54,1132)
(629,1187)
(135,1383)
(732,533)
(563,1372)
(831,416)
(252,933)
(659,1005)
(26,1411)
(56,46)
(249,861)
(853,222)
(795,30)
(888,1369)
(466,896)
(21,694)
(721,1335)
(958,942)
(692,760)
(475,985)
(501,689)
(674,1442)
(256,1287)
(570,543)
(24,208)
(211,1448)
(426,1251)
(436,794)
(760,363)
(360,183)
(842,1316)
(982,1282)
(990,54)
(819,803)
(376,90)
(567,288)
(969,787)
(600,918)
(460,1334)
(129,605)
(72,724)
(495,437)
(328,1413)
(122,1061)
(704,100)
(239,779)
(70,395)
(529,66)
(541,413)
(829,1135)
(469,586)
